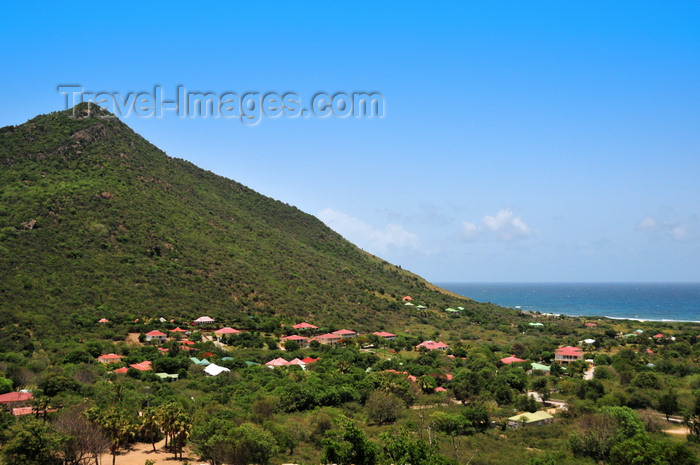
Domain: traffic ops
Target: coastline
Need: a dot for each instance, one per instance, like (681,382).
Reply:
(642,302)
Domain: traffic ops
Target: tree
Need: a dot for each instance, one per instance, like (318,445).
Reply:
(222,442)
(33,443)
(117,425)
(84,439)
(348,445)
(668,403)
(399,448)
(384,407)
(150,425)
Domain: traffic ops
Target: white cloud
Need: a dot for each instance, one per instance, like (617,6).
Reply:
(504,225)
(367,236)
(647,224)
(470,231)
(679,230)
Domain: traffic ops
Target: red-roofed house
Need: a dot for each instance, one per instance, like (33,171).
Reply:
(328,339)
(19,411)
(12,397)
(143,366)
(566,355)
(226,332)
(155,335)
(121,371)
(432,345)
(407,298)
(440,389)
(511,359)
(385,335)
(308,360)
(650,352)
(301,340)
(103,320)
(345,333)
(658,336)
(304,326)
(109,358)
(278,362)
(591,324)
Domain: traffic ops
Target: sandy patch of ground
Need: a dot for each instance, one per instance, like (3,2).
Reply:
(133,339)
(140,452)
(682,430)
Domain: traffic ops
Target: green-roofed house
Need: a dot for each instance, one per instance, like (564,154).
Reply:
(540,367)
(536,324)
(167,376)
(628,335)
(421,307)
(538,418)
(250,364)
(451,310)
(408,304)
(204,362)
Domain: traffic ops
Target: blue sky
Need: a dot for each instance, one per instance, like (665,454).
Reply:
(521,141)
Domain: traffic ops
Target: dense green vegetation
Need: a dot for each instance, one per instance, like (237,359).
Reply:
(97,223)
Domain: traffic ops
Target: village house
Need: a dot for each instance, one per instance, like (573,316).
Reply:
(304,326)
(526,419)
(432,345)
(225,332)
(156,336)
(328,339)
(179,330)
(301,340)
(143,366)
(511,359)
(109,358)
(385,335)
(15,398)
(568,354)
(345,333)
(204,320)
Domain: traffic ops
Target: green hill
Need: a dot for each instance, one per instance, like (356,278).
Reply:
(97,222)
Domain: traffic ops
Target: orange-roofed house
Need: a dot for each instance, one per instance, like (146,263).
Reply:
(407,298)
(385,335)
(143,366)
(301,340)
(103,320)
(304,326)
(432,345)
(179,330)
(156,336)
(345,333)
(591,324)
(328,339)
(511,359)
(566,355)
(121,371)
(109,358)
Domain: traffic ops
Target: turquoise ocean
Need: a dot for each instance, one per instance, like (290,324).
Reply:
(642,301)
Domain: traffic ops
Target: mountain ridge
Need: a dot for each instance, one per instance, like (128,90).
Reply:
(122,228)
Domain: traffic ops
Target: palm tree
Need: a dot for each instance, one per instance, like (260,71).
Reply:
(150,424)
